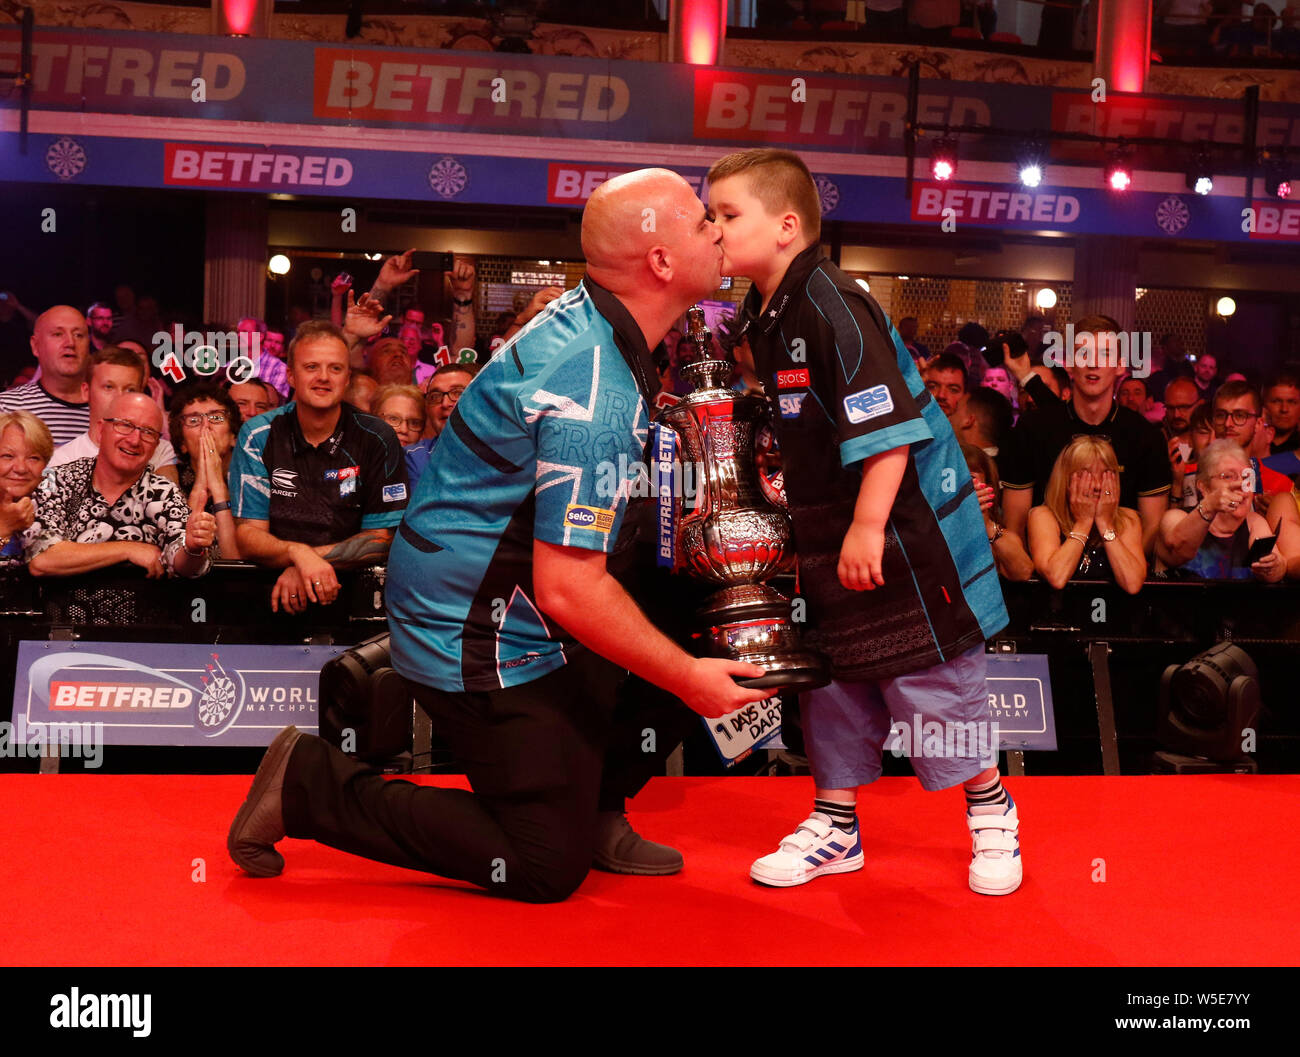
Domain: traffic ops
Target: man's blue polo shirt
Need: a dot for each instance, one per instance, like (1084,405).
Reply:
(542,445)
(353,480)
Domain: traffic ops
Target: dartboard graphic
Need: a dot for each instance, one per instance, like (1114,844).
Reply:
(1172,215)
(828,193)
(448,177)
(217,701)
(65,158)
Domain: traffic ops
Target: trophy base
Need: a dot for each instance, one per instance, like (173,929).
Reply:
(752,623)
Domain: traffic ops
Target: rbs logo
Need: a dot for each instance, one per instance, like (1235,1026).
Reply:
(588,517)
(868,404)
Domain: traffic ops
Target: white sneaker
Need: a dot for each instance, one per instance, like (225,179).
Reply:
(995,867)
(815,848)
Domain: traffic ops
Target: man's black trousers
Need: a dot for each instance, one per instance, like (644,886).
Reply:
(533,753)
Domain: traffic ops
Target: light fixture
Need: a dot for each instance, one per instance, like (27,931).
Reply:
(864,284)
(1225,307)
(943,158)
(905,277)
(1277,180)
(1031,164)
(1119,171)
(1045,298)
(1205,706)
(279,264)
(374,256)
(1199,176)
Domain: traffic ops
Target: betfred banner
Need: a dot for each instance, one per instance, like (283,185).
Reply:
(200,695)
(293,82)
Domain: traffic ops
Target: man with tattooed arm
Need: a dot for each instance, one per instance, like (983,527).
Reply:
(316,485)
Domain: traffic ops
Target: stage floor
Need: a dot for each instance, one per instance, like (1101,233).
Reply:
(132,870)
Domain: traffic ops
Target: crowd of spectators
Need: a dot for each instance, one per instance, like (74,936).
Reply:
(1205,29)
(1091,471)
(1084,472)
(301,461)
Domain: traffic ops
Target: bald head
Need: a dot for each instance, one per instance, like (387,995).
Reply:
(61,344)
(647,237)
(139,408)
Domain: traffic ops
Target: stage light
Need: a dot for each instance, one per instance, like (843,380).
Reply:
(1199,177)
(1119,173)
(1225,307)
(1277,181)
(1206,705)
(1045,298)
(1030,167)
(943,159)
(864,284)
(279,264)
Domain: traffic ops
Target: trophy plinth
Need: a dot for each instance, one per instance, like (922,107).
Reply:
(733,535)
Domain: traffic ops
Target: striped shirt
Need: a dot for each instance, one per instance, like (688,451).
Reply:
(62,419)
(274,372)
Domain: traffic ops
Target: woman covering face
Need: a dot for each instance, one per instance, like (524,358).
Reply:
(205,423)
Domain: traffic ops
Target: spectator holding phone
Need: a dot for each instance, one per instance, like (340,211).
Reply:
(1214,540)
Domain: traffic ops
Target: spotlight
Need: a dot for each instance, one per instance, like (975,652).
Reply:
(1225,307)
(1045,298)
(279,264)
(1199,177)
(1031,165)
(1119,172)
(1277,181)
(943,159)
(1205,706)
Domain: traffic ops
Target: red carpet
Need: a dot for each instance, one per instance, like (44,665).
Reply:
(96,870)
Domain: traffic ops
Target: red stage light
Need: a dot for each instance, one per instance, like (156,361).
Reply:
(239,15)
(702,22)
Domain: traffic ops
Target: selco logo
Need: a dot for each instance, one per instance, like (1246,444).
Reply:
(792,379)
(588,517)
(118,696)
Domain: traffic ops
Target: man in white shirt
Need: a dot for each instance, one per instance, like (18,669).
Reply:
(113,370)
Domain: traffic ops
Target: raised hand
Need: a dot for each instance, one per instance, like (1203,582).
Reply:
(365,318)
(1108,501)
(461,278)
(340,283)
(396,271)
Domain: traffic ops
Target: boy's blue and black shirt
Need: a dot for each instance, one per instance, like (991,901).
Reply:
(843,388)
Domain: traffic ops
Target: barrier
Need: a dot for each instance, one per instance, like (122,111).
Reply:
(1106,649)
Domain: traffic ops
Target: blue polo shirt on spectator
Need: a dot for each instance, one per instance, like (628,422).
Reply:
(542,445)
(353,480)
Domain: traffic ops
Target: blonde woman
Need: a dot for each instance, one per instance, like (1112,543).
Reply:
(25,449)
(1081,532)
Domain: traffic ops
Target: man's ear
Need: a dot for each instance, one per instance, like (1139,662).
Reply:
(658,262)
(85,392)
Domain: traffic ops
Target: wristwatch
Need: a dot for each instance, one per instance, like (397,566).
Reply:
(217,508)
(463,304)
(1108,535)
(997,535)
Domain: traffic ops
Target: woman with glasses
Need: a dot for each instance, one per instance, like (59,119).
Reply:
(204,422)
(1212,541)
(25,448)
(1081,532)
(402,407)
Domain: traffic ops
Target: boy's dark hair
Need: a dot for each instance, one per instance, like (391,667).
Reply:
(1284,377)
(993,413)
(948,361)
(1236,390)
(780,180)
(471,369)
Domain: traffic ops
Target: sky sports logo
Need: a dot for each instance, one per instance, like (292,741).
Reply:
(588,517)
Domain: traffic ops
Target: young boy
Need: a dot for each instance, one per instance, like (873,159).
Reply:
(894,559)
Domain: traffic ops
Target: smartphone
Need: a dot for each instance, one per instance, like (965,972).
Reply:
(992,352)
(1261,548)
(428,261)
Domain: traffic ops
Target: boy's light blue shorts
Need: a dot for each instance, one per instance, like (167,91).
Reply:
(846,725)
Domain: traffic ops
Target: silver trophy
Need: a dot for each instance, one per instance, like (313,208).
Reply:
(734,535)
